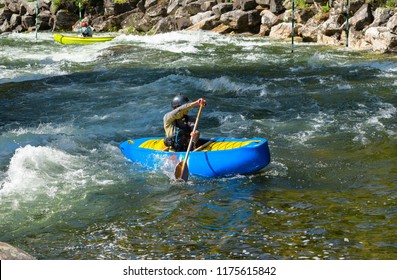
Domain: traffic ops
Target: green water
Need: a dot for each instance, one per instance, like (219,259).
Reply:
(329,114)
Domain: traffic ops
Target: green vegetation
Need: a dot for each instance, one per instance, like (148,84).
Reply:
(326,8)
(391,3)
(301,4)
(383,3)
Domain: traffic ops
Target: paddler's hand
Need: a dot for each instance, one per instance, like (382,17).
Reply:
(195,135)
(200,101)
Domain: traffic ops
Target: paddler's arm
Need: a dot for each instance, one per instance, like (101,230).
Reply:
(196,134)
(178,113)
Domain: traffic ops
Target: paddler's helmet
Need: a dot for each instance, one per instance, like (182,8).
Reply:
(179,100)
(84,24)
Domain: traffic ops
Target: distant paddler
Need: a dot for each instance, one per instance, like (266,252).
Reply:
(86,30)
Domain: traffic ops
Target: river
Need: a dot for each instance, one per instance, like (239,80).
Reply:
(329,114)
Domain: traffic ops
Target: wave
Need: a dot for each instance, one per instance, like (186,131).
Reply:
(42,170)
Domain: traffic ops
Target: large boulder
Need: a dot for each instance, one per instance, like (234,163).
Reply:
(43,20)
(173,6)
(64,20)
(8,252)
(362,18)
(139,21)
(333,25)
(5,14)
(28,8)
(381,39)
(15,20)
(310,31)
(222,8)
(245,5)
(392,24)
(5,27)
(28,21)
(242,21)
(381,16)
(166,24)
(113,8)
(282,30)
(157,10)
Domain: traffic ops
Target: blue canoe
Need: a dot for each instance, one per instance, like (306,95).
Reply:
(214,157)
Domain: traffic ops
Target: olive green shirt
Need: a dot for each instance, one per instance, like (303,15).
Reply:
(174,115)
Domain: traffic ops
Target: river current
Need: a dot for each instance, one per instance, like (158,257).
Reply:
(329,114)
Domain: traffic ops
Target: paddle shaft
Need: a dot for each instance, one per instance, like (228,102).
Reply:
(191,142)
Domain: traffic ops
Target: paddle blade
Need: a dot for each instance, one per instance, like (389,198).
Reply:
(180,172)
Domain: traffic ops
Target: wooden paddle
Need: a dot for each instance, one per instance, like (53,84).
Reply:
(182,170)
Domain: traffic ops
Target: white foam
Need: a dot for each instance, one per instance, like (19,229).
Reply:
(45,128)
(177,42)
(370,119)
(37,170)
(189,41)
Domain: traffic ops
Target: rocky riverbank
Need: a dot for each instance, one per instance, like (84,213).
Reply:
(369,26)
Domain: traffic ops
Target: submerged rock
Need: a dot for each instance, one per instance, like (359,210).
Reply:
(8,252)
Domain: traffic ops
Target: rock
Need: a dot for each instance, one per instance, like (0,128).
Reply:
(245,5)
(64,20)
(43,20)
(193,8)
(157,10)
(277,7)
(5,14)
(28,8)
(310,31)
(112,8)
(392,24)
(182,23)
(28,21)
(14,6)
(242,21)
(15,20)
(269,19)
(361,18)
(333,25)
(381,16)
(381,39)
(328,40)
(205,24)
(208,5)
(222,8)
(201,17)
(164,25)
(8,252)
(356,40)
(222,29)
(172,6)
(5,27)
(282,30)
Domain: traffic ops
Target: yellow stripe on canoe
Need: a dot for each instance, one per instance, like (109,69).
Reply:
(158,144)
(221,146)
(153,144)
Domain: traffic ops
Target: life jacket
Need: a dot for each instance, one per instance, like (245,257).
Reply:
(179,141)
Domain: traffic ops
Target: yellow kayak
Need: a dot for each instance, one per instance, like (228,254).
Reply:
(80,40)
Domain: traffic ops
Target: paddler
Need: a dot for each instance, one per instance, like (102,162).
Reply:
(86,30)
(178,125)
